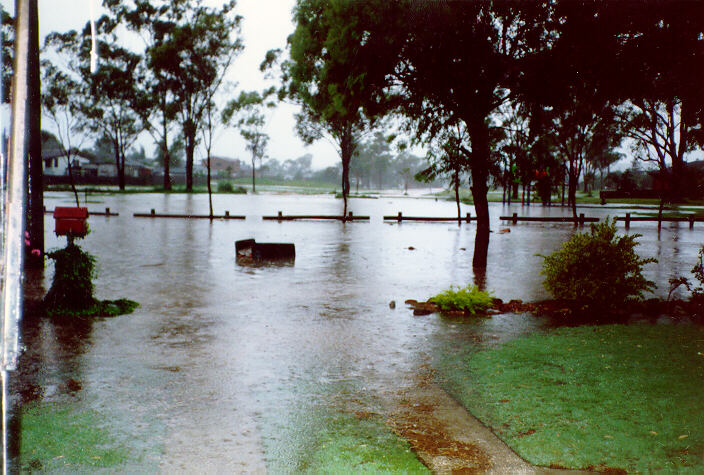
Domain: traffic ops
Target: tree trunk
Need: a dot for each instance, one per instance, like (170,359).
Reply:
(165,150)
(456,179)
(479,134)
(678,173)
(167,166)
(210,191)
(70,177)
(572,191)
(254,166)
(36,173)
(345,183)
(347,146)
(120,170)
(189,134)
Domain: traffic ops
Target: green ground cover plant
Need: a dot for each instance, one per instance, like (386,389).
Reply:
(62,440)
(615,396)
(469,299)
(597,271)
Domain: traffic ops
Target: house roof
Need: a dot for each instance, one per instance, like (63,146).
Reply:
(56,153)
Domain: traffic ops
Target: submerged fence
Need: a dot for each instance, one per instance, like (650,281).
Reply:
(400,218)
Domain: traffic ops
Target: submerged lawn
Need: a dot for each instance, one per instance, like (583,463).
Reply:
(614,396)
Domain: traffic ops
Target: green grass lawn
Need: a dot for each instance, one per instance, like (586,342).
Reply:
(63,440)
(347,443)
(614,396)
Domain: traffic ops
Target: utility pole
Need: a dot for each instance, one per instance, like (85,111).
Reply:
(35,219)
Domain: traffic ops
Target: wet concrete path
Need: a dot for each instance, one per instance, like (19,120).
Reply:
(225,367)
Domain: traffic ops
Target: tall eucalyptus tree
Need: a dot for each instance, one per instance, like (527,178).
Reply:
(189,48)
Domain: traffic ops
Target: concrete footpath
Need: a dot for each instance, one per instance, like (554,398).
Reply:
(448,439)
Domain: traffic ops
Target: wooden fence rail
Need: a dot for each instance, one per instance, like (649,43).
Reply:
(282,217)
(580,220)
(107,212)
(154,214)
(400,218)
(670,219)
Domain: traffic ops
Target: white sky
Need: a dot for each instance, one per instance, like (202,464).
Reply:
(266,25)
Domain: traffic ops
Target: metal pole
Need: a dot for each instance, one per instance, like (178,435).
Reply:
(14,223)
(16,186)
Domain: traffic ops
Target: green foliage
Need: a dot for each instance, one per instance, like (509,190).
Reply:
(619,396)
(72,287)
(698,271)
(597,270)
(470,299)
(71,292)
(225,187)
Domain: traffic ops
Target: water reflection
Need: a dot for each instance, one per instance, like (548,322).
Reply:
(226,367)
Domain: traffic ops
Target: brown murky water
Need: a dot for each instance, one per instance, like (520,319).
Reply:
(222,365)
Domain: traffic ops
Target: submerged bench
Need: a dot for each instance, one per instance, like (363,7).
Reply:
(249,248)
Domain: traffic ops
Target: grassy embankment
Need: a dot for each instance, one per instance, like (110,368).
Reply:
(615,396)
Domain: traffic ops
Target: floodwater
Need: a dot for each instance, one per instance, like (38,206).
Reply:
(222,366)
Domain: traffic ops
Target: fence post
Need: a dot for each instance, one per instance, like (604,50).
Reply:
(628,220)
(515,218)
(400,217)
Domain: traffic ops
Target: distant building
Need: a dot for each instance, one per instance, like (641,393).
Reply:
(224,166)
(107,168)
(56,163)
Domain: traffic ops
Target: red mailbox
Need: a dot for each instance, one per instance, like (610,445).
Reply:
(70,221)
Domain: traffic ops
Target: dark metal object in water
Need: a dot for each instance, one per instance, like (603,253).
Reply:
(265,251)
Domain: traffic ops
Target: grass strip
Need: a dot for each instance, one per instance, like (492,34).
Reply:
(61,439)
(594,397)
(349,443)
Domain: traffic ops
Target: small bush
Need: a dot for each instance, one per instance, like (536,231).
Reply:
(72,286)
(470,299)
(597,270)
(225,187)
(228,187)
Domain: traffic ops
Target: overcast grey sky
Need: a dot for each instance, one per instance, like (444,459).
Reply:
(266,25)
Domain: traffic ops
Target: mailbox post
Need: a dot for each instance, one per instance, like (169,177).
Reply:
(70,222)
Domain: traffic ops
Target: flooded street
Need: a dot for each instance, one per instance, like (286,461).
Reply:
(227,368)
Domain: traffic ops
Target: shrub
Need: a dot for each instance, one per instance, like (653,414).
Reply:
(698,272)
(597,270)
(72,286)
(225,187)
(470,299)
